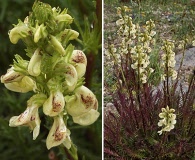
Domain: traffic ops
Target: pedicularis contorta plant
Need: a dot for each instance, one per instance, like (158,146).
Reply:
(153,115)
(54,72)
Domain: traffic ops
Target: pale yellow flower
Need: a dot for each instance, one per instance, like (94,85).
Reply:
(30,118)
(58,134)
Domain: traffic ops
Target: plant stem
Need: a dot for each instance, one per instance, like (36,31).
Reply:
(89,69)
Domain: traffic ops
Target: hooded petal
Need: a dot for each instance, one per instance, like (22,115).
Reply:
(58,133)
(54,104)
(11,76)
(71,77)
(23,86)
(83,101)
(29,117)
(18,32)
(80,59)
(34,66)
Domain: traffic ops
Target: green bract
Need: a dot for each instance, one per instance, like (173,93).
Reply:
(54,72)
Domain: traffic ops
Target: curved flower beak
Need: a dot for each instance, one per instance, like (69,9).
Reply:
(11,76)
(54,104)
(23,86)
(34,66)
(29,117)
(80,59)
(58,134)
(83,106)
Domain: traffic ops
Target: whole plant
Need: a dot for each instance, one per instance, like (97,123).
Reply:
(54,72)
(152,115)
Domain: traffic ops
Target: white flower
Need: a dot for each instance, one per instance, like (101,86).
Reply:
(34,66)
(120,22)
(79,58)
(82,106)
(151,70)
(133,50)
(23,86)
(58,134)
(144,78)
(29,117)
(71,76)
(54,104)
(11,76)
(18,32)
(134,65)
(152,33)
(174,75)
(168,120)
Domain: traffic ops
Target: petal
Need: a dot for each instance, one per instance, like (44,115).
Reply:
(34,66)
(18,32)
(36,129)
(54,104)
(81,62)
(40,33)
(29,117)
(57,45)
(71,77)
(71,34)
(11,76)
(64,18)
(83,101)
(58,133)
(25,85)
(67,142)
(87,118)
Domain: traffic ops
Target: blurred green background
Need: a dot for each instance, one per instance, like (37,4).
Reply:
(17,143)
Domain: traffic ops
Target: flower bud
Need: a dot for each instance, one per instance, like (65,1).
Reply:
(57,45)
(71,34)
(64,18)
(81,62)
(29,117)
(23,86)
(58,134)
(18,32)
(40,33)
(54,104)
(82,106)
(11,76)
(34,66)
